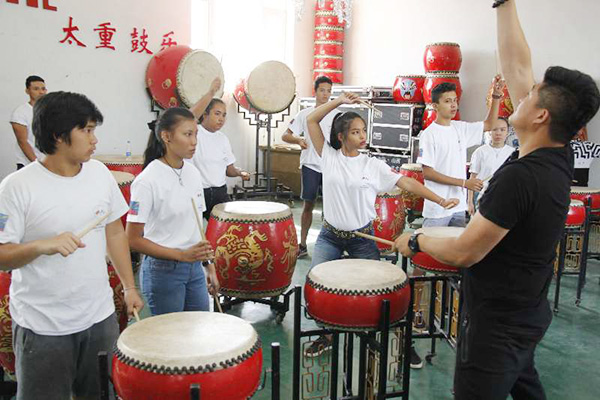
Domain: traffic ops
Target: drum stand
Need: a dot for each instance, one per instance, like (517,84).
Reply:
(574,244)
(440,324)
(279,307)
(264,184)
(378,361)
(195,390)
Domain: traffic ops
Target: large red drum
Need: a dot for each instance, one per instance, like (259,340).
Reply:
(7,355)
(506,106)
(160,357)
(270,88)
(442,57)
(161,75)
(325,32)
(239,94)
(195,74)
(412,201)
(430,115)
(329,48)
(124,180)
(328,62)
(428,263)
(115,162)
(409,88)
(347,294)
(576,214)
(589,196)
(255,246)
(432,80)
(390,220)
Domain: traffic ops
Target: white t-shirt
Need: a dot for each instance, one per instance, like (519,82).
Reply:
(23,115)
(160,202)
(486,160)
(213,155)
(444,148)
(350,186)
(56,295)
(309,157)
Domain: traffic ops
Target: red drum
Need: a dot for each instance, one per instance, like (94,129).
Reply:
(329,48)
(432,80)
(428,263)
(328,62)
(270,88)
(160,357)
(239,94)
(389,223)
(506,106)
(325,32)
(588,196)
(124,180)
(576,214)
(442,57)
(114,162)
(195,74)
(347,294)
(430,115)
(411,200)
(161,75)
(255,246)
(7,355)
(409,88)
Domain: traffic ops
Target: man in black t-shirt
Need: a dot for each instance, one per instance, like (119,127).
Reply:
(509,246)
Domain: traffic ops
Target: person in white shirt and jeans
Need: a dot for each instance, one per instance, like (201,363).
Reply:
(310,162)
(21,120)
(61,302)
(443,154)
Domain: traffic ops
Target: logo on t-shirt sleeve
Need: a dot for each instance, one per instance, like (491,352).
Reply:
(3,221)
(134,208)
(420,152)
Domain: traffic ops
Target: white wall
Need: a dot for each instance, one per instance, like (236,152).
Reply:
(388,37)
(114,80)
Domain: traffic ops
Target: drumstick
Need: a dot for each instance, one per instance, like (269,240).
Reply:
(375,238)
(136,315)
(376,112)
(91,226)
(199,222)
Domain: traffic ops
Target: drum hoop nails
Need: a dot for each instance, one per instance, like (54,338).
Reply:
(184,370)
(252,221)
(356,292)
(254,294)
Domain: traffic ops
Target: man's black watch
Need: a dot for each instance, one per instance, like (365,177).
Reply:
(413,243)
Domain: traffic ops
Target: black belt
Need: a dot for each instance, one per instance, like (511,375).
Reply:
(347,234)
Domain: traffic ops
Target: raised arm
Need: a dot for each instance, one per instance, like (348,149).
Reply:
(313,119)
(492,115)
(200,106)
(515,55)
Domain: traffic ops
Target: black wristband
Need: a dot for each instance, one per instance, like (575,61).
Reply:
(498,3)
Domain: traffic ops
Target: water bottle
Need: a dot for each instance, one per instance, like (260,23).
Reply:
(128,150)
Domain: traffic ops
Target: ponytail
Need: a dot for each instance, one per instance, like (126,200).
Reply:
(341,124)
(168,121)
(209,107)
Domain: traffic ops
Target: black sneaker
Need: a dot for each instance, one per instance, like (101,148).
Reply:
(415,360)
(302,251)
(419,324)
(318,347)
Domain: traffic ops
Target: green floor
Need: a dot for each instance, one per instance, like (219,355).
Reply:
(568,359)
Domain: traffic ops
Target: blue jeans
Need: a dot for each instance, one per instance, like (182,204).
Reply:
(172,286)
(330,247)
(457,219)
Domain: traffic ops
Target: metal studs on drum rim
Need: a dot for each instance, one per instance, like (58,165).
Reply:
(161,75)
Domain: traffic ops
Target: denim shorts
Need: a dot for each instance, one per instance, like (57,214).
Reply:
(311,182)
(172,286)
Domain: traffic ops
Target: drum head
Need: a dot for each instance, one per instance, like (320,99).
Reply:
(441,231)
(412,167)
(187,339)
(123,178)
(196,72)
(260,211)
(583,190)
(360,275)
(271,87)
(396,192)
(118,159)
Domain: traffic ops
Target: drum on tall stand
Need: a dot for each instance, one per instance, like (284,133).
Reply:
(160,357)
(161,75)
(195,74)
(256,248)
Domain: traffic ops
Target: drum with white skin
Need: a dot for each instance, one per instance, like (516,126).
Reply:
(347,294)
(424,261)
(160,357)
(195,74)
(270,88)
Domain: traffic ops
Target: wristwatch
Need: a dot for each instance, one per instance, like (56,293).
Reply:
(413,243)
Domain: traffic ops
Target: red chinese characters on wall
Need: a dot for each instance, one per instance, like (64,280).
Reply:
(168,41)
(106,32)
(35,4)
(70,36)
(139,43)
